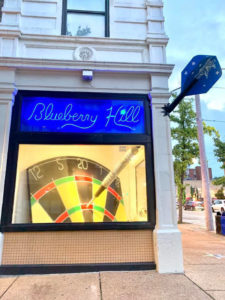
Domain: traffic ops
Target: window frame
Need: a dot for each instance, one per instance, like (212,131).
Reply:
(65,11)
(1,6)
(18,137)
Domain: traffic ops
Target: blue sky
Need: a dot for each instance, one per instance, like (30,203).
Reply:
(198,27)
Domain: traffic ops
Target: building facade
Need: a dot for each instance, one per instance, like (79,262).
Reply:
(86,165)
(196,186)
(195,174)
(193,183)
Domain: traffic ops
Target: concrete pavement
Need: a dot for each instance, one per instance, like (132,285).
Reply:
(204,259)
(204,278)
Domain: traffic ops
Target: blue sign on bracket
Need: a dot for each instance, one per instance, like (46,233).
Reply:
(201,73)
(52,114)
(205,69)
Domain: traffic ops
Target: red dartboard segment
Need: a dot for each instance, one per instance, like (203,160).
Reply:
(44,190)
(62,217)
(108,214)
(84,206)
(83,178)
(114,193)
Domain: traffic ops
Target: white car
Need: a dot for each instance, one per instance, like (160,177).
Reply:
(219,205)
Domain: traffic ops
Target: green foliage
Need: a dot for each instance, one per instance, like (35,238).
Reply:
(219,181)
(184,133)
(220,194)
(210,130)
(220,153)
(192,191)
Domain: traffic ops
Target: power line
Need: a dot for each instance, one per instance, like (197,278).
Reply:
(214,87)
(213,120)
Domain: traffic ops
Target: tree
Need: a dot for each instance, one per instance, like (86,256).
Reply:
(220,153)
(192,191)
(185,149)
(220,194)
(184,133)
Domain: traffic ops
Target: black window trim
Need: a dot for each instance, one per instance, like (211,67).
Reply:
(1,5)
(17,138)
(104,13)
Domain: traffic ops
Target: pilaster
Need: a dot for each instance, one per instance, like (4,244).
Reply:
(167,237)
(156,37)
(10,28)
(11,13)
(7,94)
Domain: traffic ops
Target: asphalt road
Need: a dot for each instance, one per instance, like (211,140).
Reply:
(196,217)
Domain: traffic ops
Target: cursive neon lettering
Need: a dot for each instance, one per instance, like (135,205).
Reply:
(39,108)
(123,117)
(65,115)
(46,113)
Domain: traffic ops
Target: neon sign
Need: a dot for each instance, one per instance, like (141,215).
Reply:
(48,114)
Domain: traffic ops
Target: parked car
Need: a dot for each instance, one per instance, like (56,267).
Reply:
(219,205)
(190,205)
(194,205)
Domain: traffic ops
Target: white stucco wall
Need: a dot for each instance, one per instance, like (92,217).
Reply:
(32,29)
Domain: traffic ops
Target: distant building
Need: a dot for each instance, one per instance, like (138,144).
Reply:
(196,186)
(193,183)
(195,174)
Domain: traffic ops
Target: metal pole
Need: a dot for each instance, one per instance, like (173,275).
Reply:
(204,167)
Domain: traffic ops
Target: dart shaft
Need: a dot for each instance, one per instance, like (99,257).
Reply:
(170,107)
(113,174)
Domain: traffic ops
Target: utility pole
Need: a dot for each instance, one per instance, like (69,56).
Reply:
(204,168)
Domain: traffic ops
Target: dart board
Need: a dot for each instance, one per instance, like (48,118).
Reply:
(61,189)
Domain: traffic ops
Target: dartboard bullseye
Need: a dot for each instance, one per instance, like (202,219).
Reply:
(61,189)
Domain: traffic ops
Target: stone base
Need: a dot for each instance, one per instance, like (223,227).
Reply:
(168,250)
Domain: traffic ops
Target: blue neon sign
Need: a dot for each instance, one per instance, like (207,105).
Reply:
(51,114)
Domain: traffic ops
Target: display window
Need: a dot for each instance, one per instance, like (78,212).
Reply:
(80,183)
(66,171)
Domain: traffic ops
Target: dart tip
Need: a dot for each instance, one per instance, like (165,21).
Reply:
(90,202)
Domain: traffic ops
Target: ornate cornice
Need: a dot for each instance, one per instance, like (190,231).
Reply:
(68,65)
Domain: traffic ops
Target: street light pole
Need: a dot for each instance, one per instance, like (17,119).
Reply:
(204,168)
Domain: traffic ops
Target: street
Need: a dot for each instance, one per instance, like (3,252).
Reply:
(196,217)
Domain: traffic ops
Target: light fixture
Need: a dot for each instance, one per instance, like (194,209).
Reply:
(87,75)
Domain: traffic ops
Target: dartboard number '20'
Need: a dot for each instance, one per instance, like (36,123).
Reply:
(61,190)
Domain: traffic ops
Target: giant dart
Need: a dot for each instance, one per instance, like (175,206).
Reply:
(198,77)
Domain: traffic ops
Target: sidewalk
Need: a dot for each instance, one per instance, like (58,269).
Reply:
(204,278)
